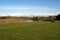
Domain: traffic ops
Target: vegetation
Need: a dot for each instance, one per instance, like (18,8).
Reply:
(35,18)
(58,17)
(30,31)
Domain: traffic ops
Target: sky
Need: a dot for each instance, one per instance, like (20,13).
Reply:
(29,7)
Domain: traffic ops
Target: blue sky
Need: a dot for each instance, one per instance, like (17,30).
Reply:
(29,7)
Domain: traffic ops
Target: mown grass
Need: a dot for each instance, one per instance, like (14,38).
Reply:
(30,31)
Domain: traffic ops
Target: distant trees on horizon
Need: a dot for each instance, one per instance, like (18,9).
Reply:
(34,18)
(58,17)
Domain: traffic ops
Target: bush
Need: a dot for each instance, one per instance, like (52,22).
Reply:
(58,17)
(35,19)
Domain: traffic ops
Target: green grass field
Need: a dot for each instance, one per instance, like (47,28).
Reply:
(30,31)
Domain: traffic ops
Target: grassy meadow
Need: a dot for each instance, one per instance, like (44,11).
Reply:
(30,30)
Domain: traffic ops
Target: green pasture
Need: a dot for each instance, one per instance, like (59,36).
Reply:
(30,31)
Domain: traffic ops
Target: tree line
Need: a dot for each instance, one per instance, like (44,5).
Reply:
(50,18)
(36,18)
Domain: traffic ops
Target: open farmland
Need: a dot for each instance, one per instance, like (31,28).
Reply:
(30,30)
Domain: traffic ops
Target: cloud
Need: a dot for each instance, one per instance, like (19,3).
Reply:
(27,8)
(28,11)
(15,8)
(26,15)
(41,9)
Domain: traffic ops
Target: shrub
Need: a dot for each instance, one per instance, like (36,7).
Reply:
(35,18)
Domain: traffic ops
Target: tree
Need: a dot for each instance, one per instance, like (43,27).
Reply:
(35,18)
(58,17)
(3,17)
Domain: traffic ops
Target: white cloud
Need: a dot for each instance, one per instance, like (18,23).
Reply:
(36,11)
(27,8)
(26,15)
(15,8)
